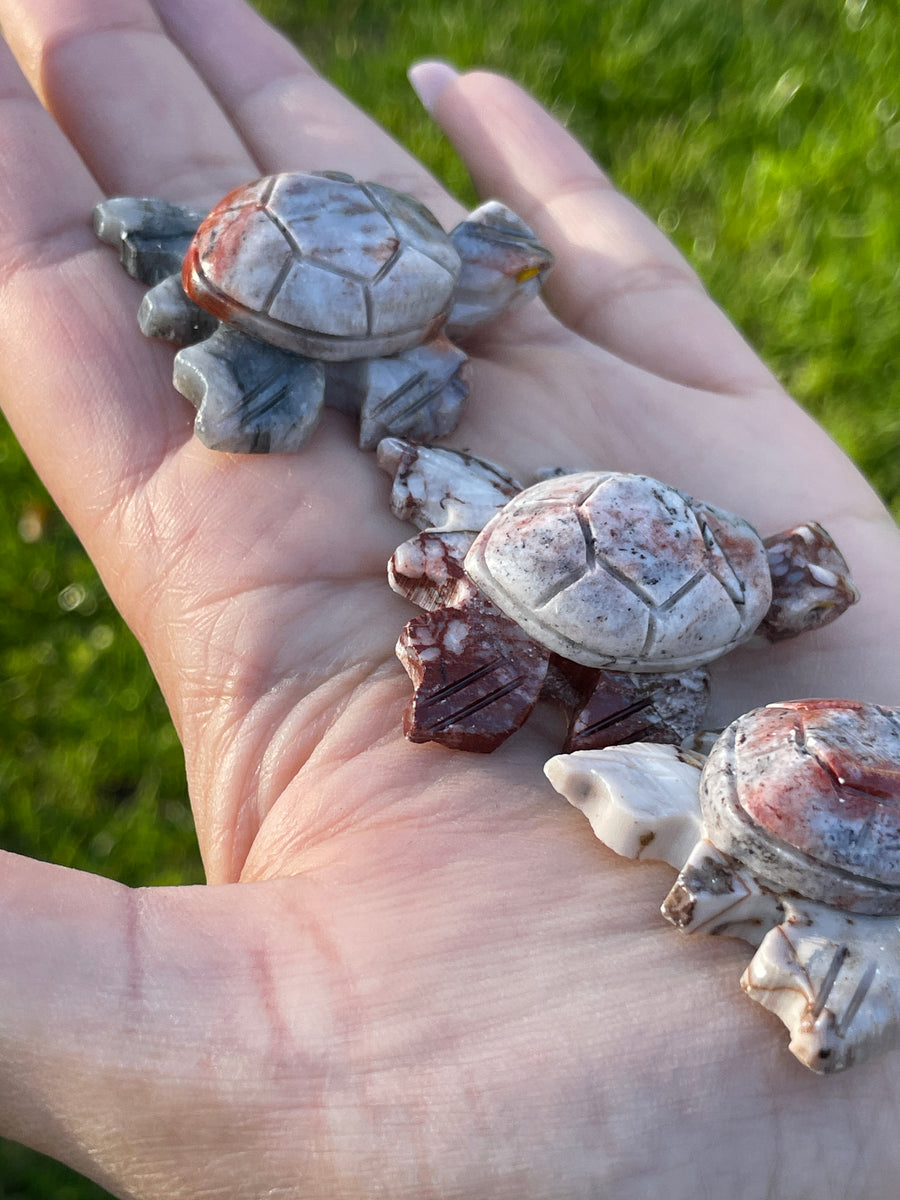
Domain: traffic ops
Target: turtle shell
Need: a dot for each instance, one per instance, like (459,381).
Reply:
(623,572)
(806,794)
(324,266)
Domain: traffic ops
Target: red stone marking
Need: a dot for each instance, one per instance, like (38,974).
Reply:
(824,776)
(476,676)
(811,582)
(609,708)
(428,570)
(221,238)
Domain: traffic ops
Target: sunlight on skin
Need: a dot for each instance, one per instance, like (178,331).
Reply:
(437,983)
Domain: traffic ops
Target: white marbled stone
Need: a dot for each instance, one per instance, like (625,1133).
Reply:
(641,799)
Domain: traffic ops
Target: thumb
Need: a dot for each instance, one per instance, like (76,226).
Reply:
(137,1026)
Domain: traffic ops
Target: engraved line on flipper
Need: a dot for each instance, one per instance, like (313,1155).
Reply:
(856,1000)
(834,969)
(629,711)
(452,688)
(274,400)
(477,705)
(391,401)
(394,412)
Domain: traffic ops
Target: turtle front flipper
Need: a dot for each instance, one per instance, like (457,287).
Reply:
(168,312)
(640,798)
(438,488)
(503,266)
(811,582)
(251,397)
(476,676)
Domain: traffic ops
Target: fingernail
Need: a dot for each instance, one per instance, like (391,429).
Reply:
(429,79)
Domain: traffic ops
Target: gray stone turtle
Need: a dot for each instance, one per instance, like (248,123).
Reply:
(607,591)
(299,290)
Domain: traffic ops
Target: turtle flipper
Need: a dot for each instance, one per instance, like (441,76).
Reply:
(503,266)
(419,393)
(641,798)
(832,978)
(428,569)
(476,676)
(152,236)
(168,312)
(811,582)
(251,397)
(608,708)
(438,488)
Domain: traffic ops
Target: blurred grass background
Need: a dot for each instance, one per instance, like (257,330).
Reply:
(763,135)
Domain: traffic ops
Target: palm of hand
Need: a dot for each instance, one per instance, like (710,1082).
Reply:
(411,993)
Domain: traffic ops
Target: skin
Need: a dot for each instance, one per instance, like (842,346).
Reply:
(415,973)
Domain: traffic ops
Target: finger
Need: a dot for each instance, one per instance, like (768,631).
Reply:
(289,116)
(617,280)
(66,323)
(130,103)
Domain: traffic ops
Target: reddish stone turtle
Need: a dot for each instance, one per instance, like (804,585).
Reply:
(789,837)
(607,591)
(299,290)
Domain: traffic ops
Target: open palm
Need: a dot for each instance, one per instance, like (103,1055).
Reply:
(418,974)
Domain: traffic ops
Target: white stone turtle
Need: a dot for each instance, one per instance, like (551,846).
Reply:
(606,591)
(299,290)
(788,837)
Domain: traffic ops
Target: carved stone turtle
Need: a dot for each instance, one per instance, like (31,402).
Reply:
(606,591)
(299,290)
(788,837)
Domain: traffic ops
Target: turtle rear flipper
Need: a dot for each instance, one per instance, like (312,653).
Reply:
(832,981)
(418,393)
(152,236)
(608,708)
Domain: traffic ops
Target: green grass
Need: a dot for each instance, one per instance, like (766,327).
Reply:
(764,136)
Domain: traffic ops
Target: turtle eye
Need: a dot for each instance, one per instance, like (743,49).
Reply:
(527,273)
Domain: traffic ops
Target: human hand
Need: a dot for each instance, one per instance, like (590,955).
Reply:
(418,973)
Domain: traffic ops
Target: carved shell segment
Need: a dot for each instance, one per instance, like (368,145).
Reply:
(325,267)
(807,795)
(622,571)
